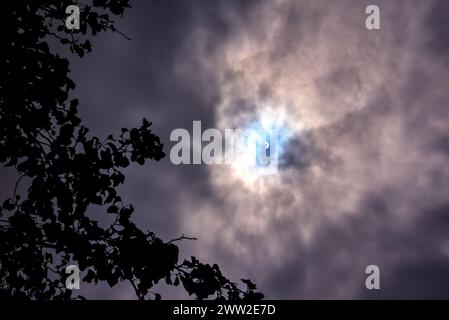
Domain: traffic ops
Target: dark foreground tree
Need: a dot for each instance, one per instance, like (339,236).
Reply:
(67,170)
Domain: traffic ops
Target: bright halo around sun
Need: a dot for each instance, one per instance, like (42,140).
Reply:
(259,154)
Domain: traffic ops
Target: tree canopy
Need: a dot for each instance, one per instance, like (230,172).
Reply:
(67,170)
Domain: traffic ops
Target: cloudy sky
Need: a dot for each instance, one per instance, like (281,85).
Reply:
(364,176)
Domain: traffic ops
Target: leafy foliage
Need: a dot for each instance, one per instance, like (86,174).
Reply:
(68,170)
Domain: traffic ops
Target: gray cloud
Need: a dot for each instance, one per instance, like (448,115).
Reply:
(365,177)
(374,107)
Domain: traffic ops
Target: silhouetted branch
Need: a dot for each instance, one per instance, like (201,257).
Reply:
(40,132)
(136,289)
(16,185)
(121,33)
(182,238)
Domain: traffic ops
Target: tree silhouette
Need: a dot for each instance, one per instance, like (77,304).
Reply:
(67,170)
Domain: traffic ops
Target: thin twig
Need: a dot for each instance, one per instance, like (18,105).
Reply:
(15,187)
(119,32)
(45,137)
(135,288)
(182,238)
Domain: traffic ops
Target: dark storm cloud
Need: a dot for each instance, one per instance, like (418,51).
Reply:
(412,248)
(376,183)
(333,267)
(299,153)
(364,183)
(122,82)
(438,30)
(158,75)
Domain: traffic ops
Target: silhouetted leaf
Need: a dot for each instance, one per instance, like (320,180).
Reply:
(68,170)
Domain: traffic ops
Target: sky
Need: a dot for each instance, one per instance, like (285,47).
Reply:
(364,176)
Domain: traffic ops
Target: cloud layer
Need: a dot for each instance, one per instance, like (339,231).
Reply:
(373,108)
(365,179)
